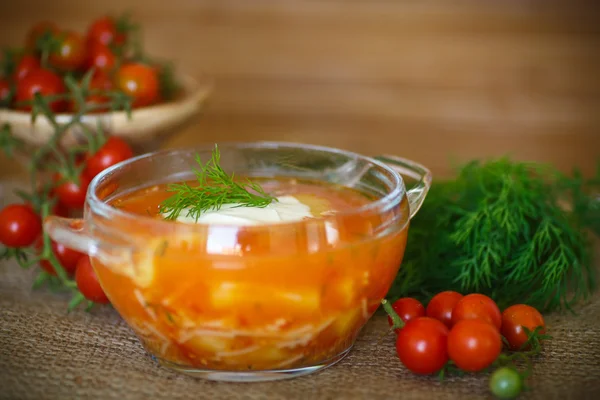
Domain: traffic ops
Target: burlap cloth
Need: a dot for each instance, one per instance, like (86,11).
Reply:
(46,353)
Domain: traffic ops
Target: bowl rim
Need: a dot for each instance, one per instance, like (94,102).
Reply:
(383,204)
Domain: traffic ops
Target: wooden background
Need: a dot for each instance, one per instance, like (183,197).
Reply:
(433,80)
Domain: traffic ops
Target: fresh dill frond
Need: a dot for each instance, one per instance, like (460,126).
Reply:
(502,228)
(214,189)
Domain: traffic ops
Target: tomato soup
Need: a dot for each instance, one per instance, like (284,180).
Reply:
(249,298)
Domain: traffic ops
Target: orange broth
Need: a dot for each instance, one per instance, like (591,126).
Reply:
(283,297)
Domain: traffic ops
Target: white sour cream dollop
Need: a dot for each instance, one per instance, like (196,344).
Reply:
(285,209)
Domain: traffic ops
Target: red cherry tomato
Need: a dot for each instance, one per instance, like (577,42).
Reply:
(112,152)
(71,194)
(26,64)
(104,31)
(407,308)
(100,81)
(44,264)
(87,282)
(474,344)
(67,257)
(5,93)
(60,210)
(140,82)
(422,345)
(477,306)
(71,55)
(43,81)
(19,226)
(441,305)
(517,317)
(101,57)
(37,31)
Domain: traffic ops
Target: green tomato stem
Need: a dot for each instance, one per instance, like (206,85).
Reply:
(397,322)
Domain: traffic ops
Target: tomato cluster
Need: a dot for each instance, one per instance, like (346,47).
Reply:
(21,226)
(466,330)
(50,53)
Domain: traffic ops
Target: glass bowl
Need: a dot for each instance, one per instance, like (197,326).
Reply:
(249,303)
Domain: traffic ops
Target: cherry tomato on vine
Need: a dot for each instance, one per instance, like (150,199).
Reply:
(505,383)
(140,82)
(407,308)
(517,317)
(67,257)
(5,93)
(101,57)
(100,81)
(441,305)
(44,264)
(37,31)
(474,344)
(41,81)
(104,31)
(72,194)
(477,306)
(26,64)
(87,282)
(19,226)
(71,55)
(112,152)
(60,210)
(422,345)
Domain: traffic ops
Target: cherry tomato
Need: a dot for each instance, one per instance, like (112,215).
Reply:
(140,82)
(60,210)
(474,344)
(407,308)
(112,152)
(422,345)
(441,305)
(26,64)
(87,282)
(37,31)
(71,54)
(515,318)
(44,264)
(43,81)
(67,257)
(19,225)
(101,57)
(5,93)
(104,31)
(505,383)
(71,194)
(100,81)
(477,306)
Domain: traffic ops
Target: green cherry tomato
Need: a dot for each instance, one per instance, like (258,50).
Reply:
(505,383)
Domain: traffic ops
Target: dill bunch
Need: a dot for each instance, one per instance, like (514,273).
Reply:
(215,188)
(502,228)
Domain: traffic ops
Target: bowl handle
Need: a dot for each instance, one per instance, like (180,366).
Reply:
(407,168)
(73,233)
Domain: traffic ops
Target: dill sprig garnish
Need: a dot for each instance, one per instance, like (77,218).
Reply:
(215,188)
(501,228)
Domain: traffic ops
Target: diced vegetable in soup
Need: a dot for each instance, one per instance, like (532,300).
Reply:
(253,291)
